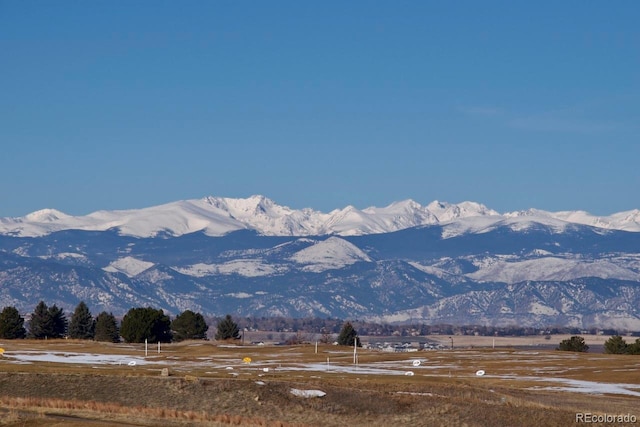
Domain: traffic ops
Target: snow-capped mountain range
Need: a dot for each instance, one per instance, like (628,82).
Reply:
(217,216)
(448,263)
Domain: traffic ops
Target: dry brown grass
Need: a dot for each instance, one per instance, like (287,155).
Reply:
(140,415)
(200,391)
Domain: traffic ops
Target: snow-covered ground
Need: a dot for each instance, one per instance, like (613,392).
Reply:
(465,364)
(71,357)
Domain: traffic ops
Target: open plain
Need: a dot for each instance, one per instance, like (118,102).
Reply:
(78,383)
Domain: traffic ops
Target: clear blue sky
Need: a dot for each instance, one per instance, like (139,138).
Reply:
(118,105)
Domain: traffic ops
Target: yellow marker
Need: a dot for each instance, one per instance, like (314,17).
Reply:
(1,350)
(247,360)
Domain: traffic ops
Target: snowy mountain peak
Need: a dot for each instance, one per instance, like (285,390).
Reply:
(406,204)
(527,212)
(216,216)
(437,204)
(45,215)
(446,212)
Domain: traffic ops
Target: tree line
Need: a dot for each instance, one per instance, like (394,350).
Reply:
(138,325)
(614,345)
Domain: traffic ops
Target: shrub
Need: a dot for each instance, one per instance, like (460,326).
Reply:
(634,348)
(616,345)
(575,343)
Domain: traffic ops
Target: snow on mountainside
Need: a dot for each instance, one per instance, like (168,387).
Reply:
(45,215)
(485,224)
(446,212)
(550,268)
(527,268)
(329,254)
(129,266)
(626,221)
(243,267)
(217,216)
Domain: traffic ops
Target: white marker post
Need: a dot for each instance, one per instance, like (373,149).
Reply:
(158,347)
(146,348)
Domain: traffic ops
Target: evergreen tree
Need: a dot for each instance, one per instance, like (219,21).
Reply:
(348,335)
(575,343)
(82,324)
(106,328)
(227,329)
(11,324)
(146,323)
(634,348)
(189,326)
(58,321)
(41,323)
(615,345)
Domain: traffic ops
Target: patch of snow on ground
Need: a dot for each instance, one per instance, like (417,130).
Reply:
(307,393)
(589,387)
(70,357)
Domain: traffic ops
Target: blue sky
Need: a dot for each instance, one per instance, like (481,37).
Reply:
(119,105)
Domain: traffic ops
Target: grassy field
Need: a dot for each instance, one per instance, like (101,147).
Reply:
(77,383)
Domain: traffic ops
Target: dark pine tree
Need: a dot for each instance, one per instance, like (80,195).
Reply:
(41,323)
(348,335)
(82,325)
(227,329)
(146,323)
(106,328)
(11,324)
(189,326)
(59,321)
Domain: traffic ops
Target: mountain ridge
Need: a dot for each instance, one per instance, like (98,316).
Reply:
(217,216)
(539,276)
(460,263)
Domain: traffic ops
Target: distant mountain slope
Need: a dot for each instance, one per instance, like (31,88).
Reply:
(461,263)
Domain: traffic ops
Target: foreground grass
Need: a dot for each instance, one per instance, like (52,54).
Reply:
(203,391)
